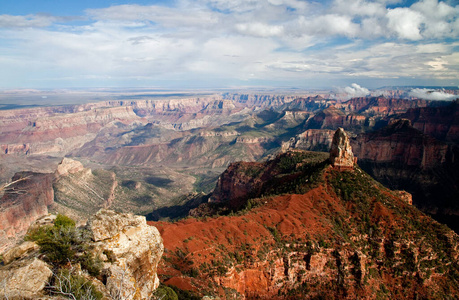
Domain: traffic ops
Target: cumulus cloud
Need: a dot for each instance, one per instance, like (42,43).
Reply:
(429,94)
(356,90)
(405,22)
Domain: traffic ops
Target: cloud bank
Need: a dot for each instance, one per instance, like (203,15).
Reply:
(223,43)
(429,94)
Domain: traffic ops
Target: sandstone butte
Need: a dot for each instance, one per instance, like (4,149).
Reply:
(130,250)
(305,230)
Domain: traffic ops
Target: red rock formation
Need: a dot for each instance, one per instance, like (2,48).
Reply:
(332,118)
(400,143)
(380,106)
(440,122)
(340,239)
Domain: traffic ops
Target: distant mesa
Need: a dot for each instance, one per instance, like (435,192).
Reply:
(341,156)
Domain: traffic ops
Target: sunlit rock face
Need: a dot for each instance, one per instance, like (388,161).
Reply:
(341,156)
(136,249)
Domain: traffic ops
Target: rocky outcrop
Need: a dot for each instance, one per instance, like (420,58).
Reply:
(22,203)
(341,155)
(136,249)
(129,248)
(24,279)
(69,166)
(310,140)
(20,251)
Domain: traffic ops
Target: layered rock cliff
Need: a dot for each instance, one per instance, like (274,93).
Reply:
(403,157)
(310,140)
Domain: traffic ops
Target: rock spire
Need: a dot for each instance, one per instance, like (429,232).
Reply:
(341,155)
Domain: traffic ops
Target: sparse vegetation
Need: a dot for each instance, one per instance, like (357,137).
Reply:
(63,244)
(67,284)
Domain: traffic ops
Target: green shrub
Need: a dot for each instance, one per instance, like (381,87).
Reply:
(38,233)
(91,264)
(63,221)
(165,293)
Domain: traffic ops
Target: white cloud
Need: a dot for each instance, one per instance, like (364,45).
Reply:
(428,94)
(328,25)
(260,30)
(358,8)
(405,22)
(356,90)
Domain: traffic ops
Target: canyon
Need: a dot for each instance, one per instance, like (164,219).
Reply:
(267,217)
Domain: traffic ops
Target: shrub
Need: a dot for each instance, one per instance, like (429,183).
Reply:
(63,221)
(165,293)
(92,264)
(74,286)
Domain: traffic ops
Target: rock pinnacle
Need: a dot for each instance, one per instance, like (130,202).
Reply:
(341,155)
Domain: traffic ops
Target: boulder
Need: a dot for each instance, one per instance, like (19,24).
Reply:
(341,156)
(19,251)
(24,279)
(135,249)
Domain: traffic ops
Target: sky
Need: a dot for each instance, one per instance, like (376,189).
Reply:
(194,44)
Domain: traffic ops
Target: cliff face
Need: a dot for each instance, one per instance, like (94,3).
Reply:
(332,118)
(330,234)
(440,122)
(310,140)
(380,106)
(403,157)
(401,143)
(23,203)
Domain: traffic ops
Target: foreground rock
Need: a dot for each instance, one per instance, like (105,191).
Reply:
(135,249)
(129,248)
(24,279)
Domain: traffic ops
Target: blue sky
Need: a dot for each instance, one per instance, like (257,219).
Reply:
(228,43)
